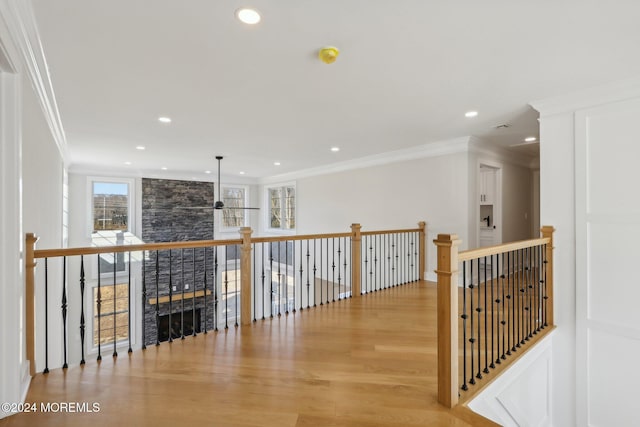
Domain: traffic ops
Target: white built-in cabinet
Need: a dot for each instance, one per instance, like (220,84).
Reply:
(487,186)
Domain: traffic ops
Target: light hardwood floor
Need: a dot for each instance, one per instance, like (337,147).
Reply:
(368,361)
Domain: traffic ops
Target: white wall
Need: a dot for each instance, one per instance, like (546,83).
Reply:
(389,196)
(42,215)
(521,396)
(30,162)
(588,170)
(13,366)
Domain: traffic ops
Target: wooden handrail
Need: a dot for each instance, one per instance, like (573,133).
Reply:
(378,232)
(268,239)
(91,250)
(498,249)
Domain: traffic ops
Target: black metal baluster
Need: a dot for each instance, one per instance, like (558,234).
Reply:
(308,270)
(516,294)
(479,311)
(409,265)
(314,273)
(144,299)
(500,314)
(534,291)
(371,278)
(546,291)
(346,278)
(339,271)
(216,312)
(64,310)
(157,299)
(487,307)
(472,340)
(375,263)
(383,263)
(503,322)
(529,291)
(235,282)
(509,299)
(254,282)
(321,281)
(279,281)
(464,326)
(327,271)
(416,256)
(46,316)
(490,305)
(301,271)
(293,274)
(520,298)
(193,286)
(115,334)
(182,285)
(226,287)
(262,276)
(169,327)
(99,309)
(129,350)
(397,260)
(82,320)
(271,280)
(333,269)
(204,285)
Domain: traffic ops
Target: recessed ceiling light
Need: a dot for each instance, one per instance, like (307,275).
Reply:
(164,119)
(127,163)
(241,172)
(141,147)
(530,138)
(207,171)
(276,163)
(335,149)
(164,168)
(248,16)
(471,114)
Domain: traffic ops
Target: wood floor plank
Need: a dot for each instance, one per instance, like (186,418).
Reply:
(367,362)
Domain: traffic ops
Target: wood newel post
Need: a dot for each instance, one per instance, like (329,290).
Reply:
(547,231)
(447,272)
(422,250)
(30,299)
(245,276)
(356,259)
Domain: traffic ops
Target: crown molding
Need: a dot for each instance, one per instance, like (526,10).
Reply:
(484,147)
(89,170)
(22,27)
(591,97)
(433,149)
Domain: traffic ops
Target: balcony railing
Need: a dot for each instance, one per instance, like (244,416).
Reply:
(187,288)
(493,303)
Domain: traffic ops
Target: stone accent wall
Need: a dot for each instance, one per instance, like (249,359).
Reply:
(175,211)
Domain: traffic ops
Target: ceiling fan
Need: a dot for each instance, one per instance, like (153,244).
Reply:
(219,204)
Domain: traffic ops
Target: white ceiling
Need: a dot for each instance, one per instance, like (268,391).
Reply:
(407,72)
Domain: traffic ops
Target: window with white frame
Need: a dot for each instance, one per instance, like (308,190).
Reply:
(112,322)
(111,219)
(282,207)
(234,197)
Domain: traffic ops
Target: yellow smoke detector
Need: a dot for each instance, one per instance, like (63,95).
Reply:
(328,54)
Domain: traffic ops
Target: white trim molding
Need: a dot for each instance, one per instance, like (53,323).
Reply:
(21,24)
(598,95)
(433,149)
